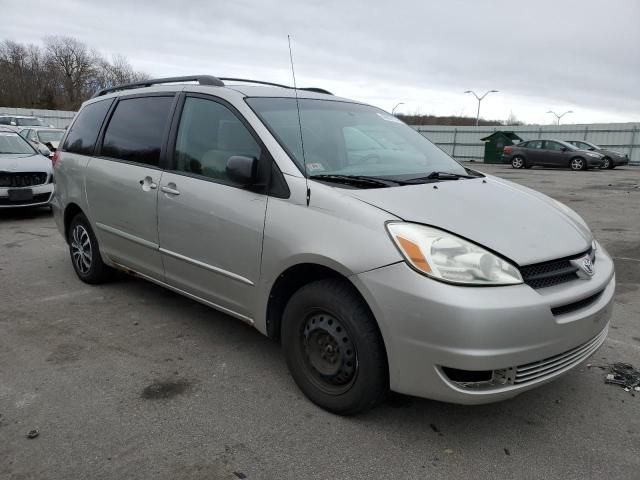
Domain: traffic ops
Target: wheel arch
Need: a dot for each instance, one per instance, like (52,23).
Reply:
(70,211)
(290,281)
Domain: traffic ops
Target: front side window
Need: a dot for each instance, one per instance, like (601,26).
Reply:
(84,130)
(555,146)
(343,138)
(136,130)
(209,133)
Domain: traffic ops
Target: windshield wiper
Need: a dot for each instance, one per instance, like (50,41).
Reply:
(363,180)
(440,176)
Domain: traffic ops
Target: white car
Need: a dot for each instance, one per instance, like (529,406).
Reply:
(26,176)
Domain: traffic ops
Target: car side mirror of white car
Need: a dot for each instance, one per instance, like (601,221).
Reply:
(242,170)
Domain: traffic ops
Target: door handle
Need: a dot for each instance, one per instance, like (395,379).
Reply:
(170,189)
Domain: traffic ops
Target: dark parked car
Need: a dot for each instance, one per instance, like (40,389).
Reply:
(550,153)
(612,159)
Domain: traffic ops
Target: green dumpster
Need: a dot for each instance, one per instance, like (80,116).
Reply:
(494,143)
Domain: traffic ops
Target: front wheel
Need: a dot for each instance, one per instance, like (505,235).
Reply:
(607,163)
(577,163)
(333,347)
(85,252)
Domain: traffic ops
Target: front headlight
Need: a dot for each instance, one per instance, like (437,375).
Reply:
(444,256)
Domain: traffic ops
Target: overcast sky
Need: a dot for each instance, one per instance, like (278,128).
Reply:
(541,55)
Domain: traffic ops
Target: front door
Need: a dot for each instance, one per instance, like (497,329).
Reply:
(210,228)
(556,154)
(122,183)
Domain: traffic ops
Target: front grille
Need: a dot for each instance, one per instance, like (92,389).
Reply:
(22,179)
(547,367)
(554,272)
(37,198)
(572,307)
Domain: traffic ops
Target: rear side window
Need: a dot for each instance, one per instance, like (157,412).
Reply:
(535,144)
(84,131)
(136,130)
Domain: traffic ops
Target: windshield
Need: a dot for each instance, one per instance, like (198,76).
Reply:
(28,122)
(342,138)
(14,143)
(50,135)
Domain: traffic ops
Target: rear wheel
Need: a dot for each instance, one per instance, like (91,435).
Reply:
(85,252)
(518,162)
(577,163)
(333,347)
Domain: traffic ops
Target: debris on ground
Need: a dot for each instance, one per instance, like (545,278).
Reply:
(625,375)
(33,434)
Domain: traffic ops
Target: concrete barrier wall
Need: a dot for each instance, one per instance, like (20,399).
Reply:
(463,143)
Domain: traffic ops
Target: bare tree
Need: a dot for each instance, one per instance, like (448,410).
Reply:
(61,75)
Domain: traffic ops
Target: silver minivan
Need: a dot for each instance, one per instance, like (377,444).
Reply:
(376,260)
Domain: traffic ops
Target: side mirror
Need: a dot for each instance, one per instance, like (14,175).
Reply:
(591,148)
(44,150)
(242,170)
(564,149)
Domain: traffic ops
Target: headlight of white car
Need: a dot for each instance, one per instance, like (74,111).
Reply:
(444,256)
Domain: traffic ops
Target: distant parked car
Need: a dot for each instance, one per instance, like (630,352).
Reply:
(43,138)
(22,121)
(26,177)
(612,159)
(550,153)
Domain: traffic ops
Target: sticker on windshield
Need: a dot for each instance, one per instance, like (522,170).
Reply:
(389,118)
(315,167)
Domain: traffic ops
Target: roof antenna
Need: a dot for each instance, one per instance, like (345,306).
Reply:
(295,89)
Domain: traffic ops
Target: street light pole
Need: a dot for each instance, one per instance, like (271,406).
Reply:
(558,117)
(479,100)
(394,108)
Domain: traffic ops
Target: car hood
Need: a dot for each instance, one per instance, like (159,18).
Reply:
(24,163)
(517,222)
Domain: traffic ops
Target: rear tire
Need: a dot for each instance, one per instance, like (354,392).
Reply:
(577,164)
(333,348)
(518,162)
(85,252)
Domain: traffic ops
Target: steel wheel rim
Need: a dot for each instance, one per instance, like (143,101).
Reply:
(576,164)
(517,162)
(81,249)
(605,163)
(329,354)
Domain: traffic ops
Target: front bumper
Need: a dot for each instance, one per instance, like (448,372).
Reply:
(42,195)
(619,161)
(511,330)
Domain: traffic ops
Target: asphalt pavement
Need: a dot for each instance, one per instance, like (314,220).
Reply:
(130,381)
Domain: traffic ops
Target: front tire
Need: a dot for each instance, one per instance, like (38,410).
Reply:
(577,164)
(333,348)
(518,162)
(607,163)
(85,252)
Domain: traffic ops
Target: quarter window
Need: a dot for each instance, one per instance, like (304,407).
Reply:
(84,131)
(209,133)
(136,130)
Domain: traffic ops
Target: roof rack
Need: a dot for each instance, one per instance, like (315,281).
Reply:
(260,82)
(202,80)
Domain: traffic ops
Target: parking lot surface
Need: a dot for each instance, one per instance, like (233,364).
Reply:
(128,380)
